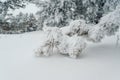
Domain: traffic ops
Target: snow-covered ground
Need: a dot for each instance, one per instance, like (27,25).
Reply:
(99,61)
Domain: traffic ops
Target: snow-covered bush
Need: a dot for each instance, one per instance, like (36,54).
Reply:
(64,44)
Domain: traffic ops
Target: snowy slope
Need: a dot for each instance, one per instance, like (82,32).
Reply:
(17,61)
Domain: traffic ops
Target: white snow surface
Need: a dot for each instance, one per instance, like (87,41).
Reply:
(100,61)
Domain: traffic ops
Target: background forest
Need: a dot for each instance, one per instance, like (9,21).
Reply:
(54,13)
